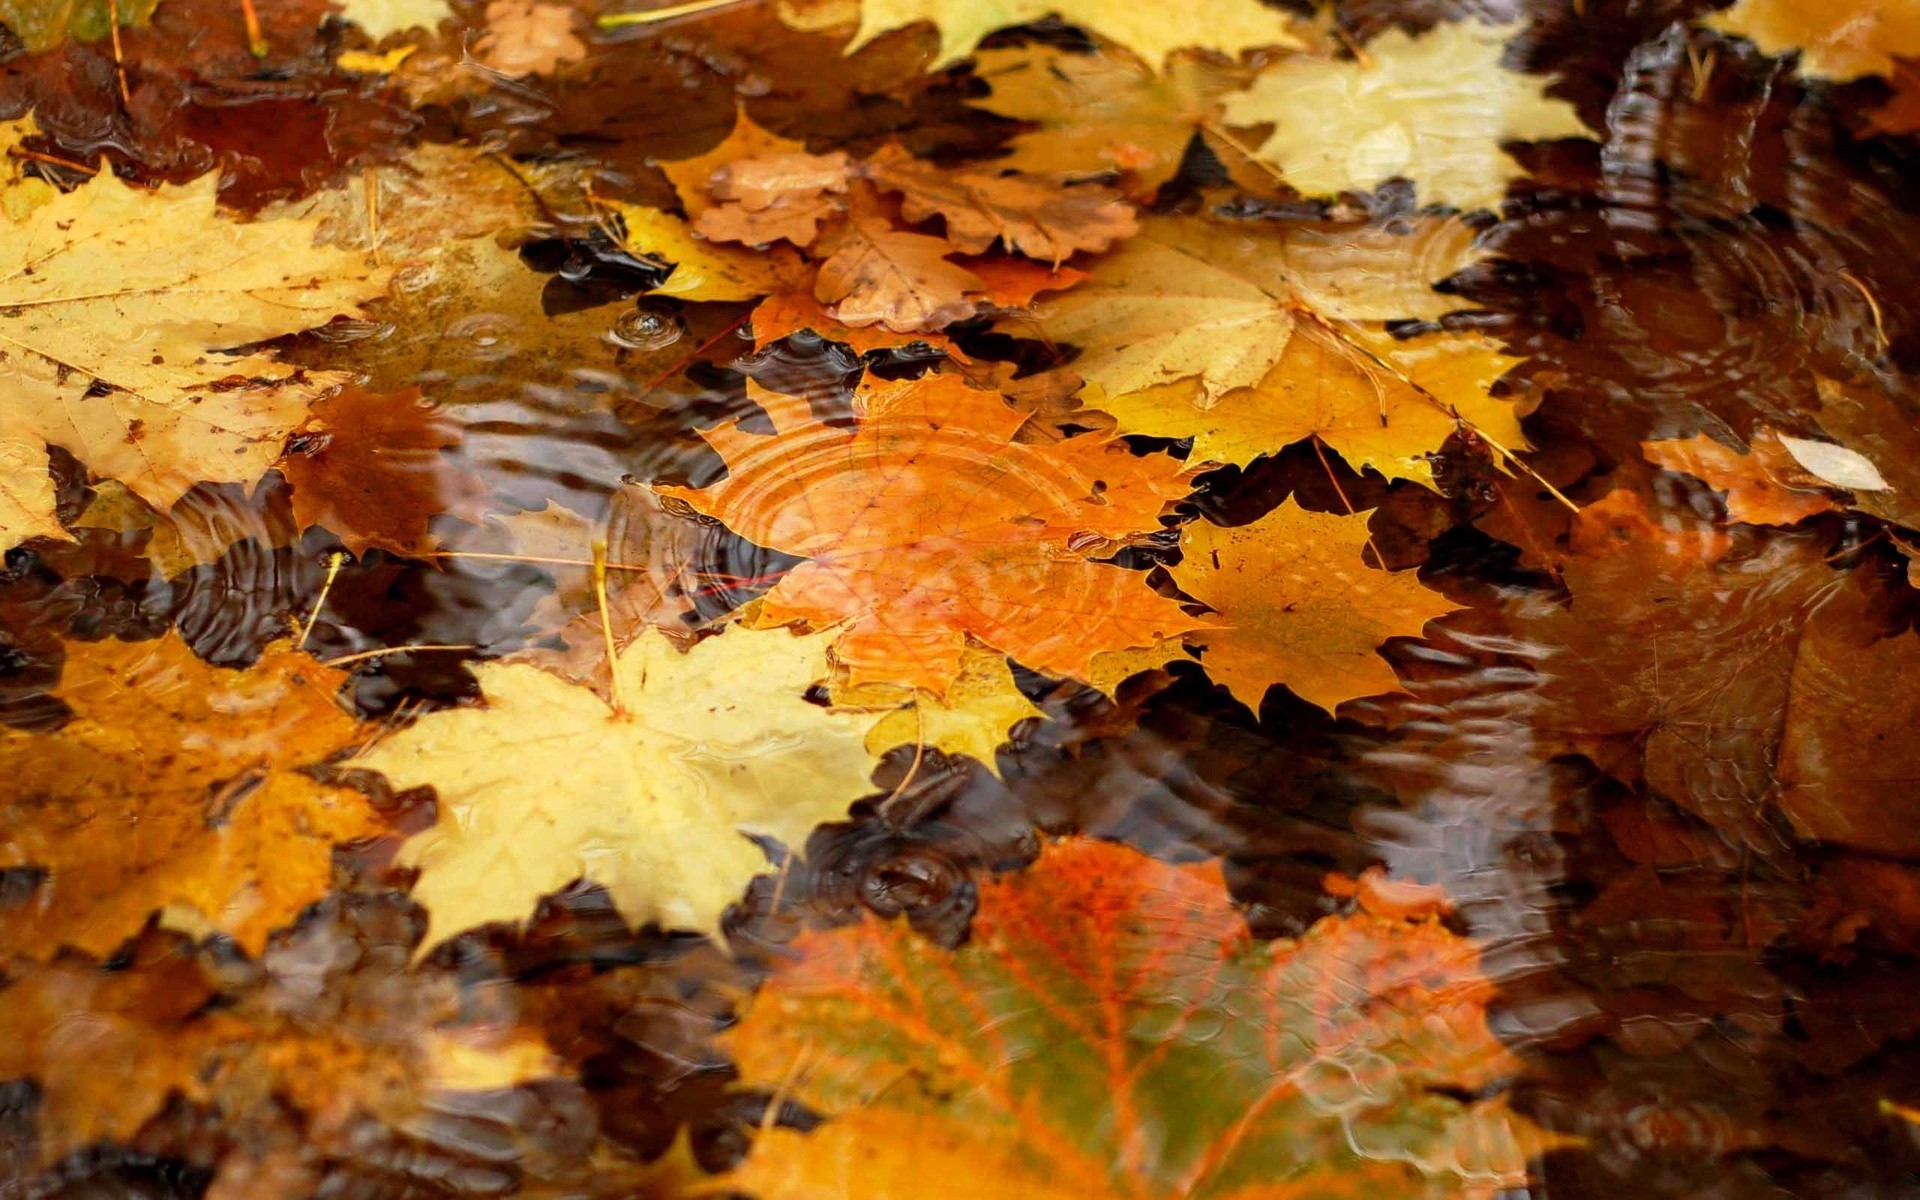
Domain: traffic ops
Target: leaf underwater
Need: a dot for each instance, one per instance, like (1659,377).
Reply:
(1111,1030)
(716,742)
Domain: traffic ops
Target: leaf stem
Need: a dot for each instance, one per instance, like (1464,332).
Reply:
(656,15)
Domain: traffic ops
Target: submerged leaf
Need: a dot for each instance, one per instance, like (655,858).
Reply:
(1152,31)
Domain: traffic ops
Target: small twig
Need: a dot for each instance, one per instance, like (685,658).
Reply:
(334,562)
(119,59)
(1378,558)
(1873,306)
(1890,1108)
(671,12)
(54,159)
(364,655)
(615,688)
(256,37)
(1243,150)
(913,768)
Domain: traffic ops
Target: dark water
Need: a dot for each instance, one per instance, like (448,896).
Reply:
(1692,879)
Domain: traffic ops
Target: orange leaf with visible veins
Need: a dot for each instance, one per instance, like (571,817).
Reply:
(1111,1029)
(370,469)
(1760,484)
(876,274)
(1031,215)
(927,524)
(782,195)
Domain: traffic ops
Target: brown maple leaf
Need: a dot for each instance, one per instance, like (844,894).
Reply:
(874,274)
(527,37)
(1039,218)
(371,469)
(926,524)
(176,784)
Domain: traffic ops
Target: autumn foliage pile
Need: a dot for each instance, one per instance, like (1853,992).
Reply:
(933,372)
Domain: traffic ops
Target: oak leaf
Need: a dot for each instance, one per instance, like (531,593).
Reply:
(1299,606)
(44,24)
(747,140)
(1380,402)
(1056,1054)
(1219,300)
(975,717)
(874,274)
(1030,216)
(925,524)
(331,1031)
(1100,112)
(370,468)
(774,196)
(1841,40)
(529,37)
(650,796)
(1764,485)
(176,784)
(127,379)
(1150,31)
(1433,108)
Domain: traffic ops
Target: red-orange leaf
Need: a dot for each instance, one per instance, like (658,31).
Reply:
(1112,1030)
(927,524)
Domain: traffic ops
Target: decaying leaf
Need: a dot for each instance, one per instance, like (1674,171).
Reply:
(926,524)
(129,379)
(1299,606)
(1100,112)
(1764,486)
(660,787)
(1150,31)
(1030,216)
(43,24)
(382,17)
(1218,301)
(1378,401)
(1841,40)
(1110,1029)
(1433,108)
(529,37)
(370,468)
(980,709)
(176,784)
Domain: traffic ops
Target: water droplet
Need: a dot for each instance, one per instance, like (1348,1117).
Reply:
(645,327)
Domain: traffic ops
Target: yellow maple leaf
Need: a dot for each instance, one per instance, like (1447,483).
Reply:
(110,339)
(382,17)
(176,783)
(1300,606)
(1219,300)
(705,270)
(1377,401)
(746,140)
(1839,39)
(1433,108)
(980,709)
(1151,31)
(649,797)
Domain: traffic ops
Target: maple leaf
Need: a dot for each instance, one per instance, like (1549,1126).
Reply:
(125,377)
(1841,40)
(1378,401)
(660,787)
(1150,31)
(1031,216)
(383,17)
(176,784)
(1299,606)
(1433,108)
(980,709)
(780,317)
(528,37)
(926,524)
(774,196)
(41,25)
(1220,300)
(330,1027)
(746,141)
(705,270)
(1055,1054)
(1764,485)
(370,469)
(874,274)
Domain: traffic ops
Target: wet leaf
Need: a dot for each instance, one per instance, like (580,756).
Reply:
(529,37)
(1111,1029)
(129,379)
(42,24)
(661,787)
(1842,40)
(980,709)
(1433,108)
(371,469)
(177,785)
(874,274)
(705,270)
(1764,486)
(1035,217)
(926,524)
(1153,33)
(1300,606)
(383,17)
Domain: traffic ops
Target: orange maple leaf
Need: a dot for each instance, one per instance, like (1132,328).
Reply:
(1031,215)
(1111,1029)
(927,524)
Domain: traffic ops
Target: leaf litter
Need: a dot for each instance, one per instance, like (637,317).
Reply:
(853,598)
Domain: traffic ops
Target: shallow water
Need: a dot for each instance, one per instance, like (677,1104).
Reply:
(1659,763)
